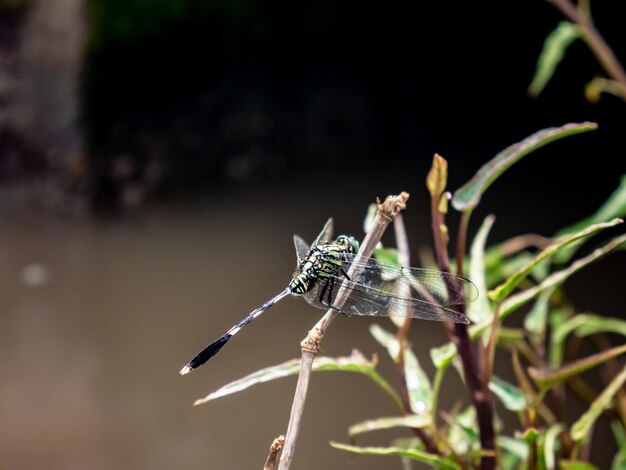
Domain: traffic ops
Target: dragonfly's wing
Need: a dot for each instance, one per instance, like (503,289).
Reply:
(302,248)
(313,296)
(430,294)
(326,233)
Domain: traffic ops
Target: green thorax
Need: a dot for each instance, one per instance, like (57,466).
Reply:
(322,262)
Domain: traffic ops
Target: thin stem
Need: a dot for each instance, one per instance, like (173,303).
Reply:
(310,346)
(594,39)
(462,241)
(479,393)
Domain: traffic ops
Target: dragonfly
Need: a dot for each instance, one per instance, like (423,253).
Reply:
(378,288)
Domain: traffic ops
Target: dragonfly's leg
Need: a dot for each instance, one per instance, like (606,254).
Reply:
(345,274)
(323,292)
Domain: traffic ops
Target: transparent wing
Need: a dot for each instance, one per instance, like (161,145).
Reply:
(302,248)
(326,233)
(377,290)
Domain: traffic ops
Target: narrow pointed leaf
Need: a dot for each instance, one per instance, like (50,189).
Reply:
(413,454)
(511,396)
(556,346)
(553,52)
(619,433)
(551,437)
(418,384)
(469,195)
(593,324)
(503,290)
(499,269)
(480,310)
(614,207)
(559,277)
(409,421)
(536,320)
(354,363)
(548,378)
(619,461)
(581,428)
(582,325)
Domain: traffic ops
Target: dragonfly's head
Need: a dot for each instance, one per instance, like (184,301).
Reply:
(349,244)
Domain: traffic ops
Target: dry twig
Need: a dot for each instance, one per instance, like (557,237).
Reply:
(310,345)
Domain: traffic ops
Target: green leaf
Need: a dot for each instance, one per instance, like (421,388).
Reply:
(480,309)
(582,428)
(619,461)
(442,355)
(353,363)
(546,378)
(511,396)
(557,278)
(619,433)
(468,196)
(615,206)
(503,290)
(418,384)
(576,465)
(448,352)
(515,452)
(536,320)
(409,421)
(599,85)
(586,324)
(498,269)
(463,431)
(414,454)
(530,435)
(387,255)
(550,445)
(553,52)
(582,325)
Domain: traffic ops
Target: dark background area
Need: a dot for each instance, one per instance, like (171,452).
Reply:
(209,133)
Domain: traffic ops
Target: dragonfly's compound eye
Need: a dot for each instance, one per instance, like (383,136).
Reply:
(348,243)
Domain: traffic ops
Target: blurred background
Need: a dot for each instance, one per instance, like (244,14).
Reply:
(156,157)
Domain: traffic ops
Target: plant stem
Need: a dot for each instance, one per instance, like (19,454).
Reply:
(462,241)
(594,39)
(402,242)
(310,345)
(479,392)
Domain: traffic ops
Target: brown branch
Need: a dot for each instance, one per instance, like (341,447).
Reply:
(310,345)
(479,391)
